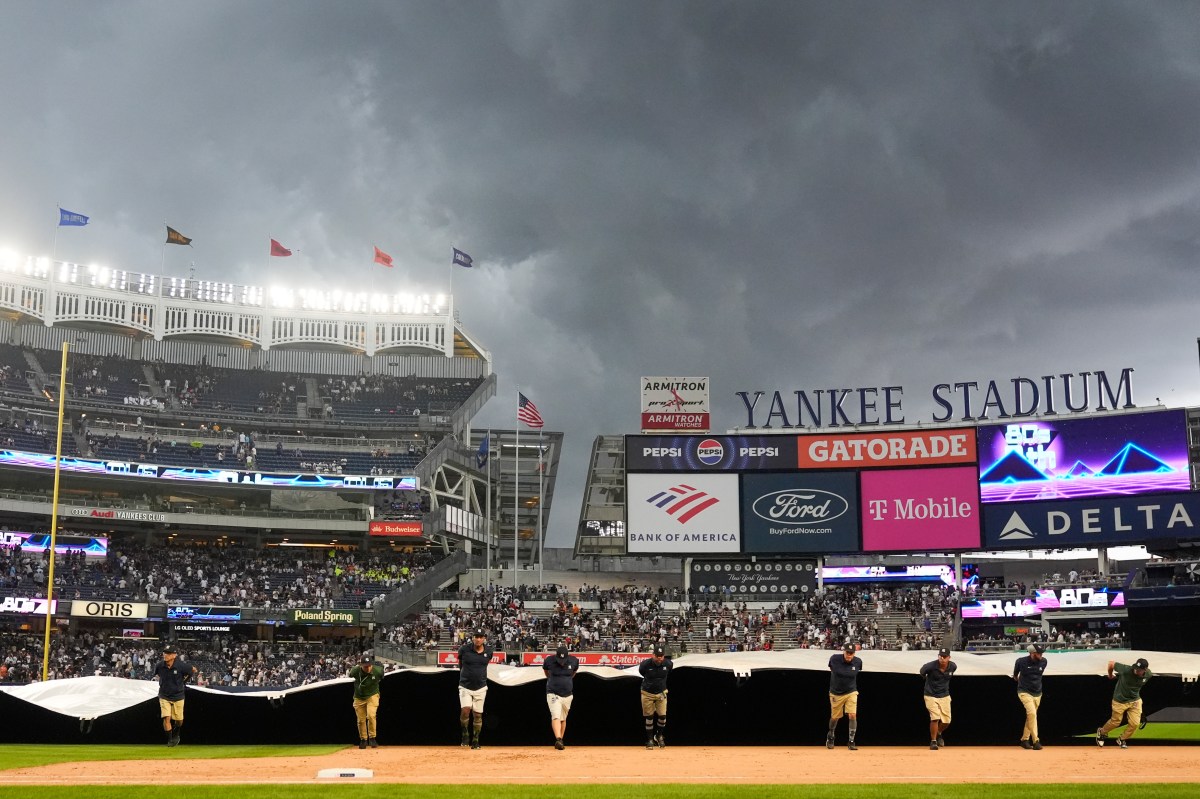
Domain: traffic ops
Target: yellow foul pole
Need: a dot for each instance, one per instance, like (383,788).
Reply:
(62,402)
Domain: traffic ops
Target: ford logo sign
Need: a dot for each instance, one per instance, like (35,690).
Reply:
(800,506)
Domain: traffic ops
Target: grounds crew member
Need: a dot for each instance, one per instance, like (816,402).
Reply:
(473,660)
(655,670)
(367,676)
(172,674)
(843,692)
(1127,699)
(937,674)
(560,673)
(1027,671)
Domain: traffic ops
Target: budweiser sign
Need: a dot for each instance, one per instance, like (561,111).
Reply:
(409,528)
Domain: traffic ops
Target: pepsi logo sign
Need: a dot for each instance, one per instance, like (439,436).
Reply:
(710,451)
(800,506)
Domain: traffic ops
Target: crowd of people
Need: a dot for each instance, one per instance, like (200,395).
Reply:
(638,619)
(401,504)
(221,660)
(407,394)
(274,578)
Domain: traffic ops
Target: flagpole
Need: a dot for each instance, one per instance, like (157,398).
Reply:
(541,492)
(62,404)
(516,491)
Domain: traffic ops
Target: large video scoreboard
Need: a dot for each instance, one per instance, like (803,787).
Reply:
(1077,482)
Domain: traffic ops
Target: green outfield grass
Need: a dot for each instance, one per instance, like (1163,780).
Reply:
(26,755)
(665,791)
(1183,731)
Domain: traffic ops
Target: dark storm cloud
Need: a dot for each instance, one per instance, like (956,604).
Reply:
(777,195)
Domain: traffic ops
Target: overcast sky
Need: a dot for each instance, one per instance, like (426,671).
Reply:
(777,195)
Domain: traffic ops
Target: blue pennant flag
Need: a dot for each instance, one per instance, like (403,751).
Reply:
(462,259)
(70,218)
(481,457)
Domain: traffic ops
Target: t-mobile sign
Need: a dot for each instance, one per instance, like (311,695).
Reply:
(929,510)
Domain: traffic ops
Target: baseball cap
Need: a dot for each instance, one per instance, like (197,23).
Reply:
(659,651)
(479,633)
(1141,663)
(849,647)
(367,659)
(170,649)
(1036,648)
(943,653)
(561,651)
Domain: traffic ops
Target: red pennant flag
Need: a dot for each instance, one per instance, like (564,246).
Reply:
(382,257)
(278,250)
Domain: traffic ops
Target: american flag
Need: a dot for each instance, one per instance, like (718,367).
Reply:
(527,412)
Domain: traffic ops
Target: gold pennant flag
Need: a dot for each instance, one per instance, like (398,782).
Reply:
(175,237)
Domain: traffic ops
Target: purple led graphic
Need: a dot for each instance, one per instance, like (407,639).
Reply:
(1127,454)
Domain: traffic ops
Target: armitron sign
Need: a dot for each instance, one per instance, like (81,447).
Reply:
(675,404)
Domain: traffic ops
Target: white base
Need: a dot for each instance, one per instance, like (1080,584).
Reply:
(345,773)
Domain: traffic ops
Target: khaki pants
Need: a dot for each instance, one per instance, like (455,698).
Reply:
(365,710)
(938,707)
(1031,704)
(559,706)
(472,698)
(841,704)
(170,710)
(654,704)
(1131,710)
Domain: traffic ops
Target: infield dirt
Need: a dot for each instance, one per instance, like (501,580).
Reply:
(612,764)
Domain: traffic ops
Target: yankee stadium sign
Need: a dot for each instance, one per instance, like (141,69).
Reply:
(967,401)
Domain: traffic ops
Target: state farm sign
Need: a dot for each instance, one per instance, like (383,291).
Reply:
(589,658)
(451,658)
